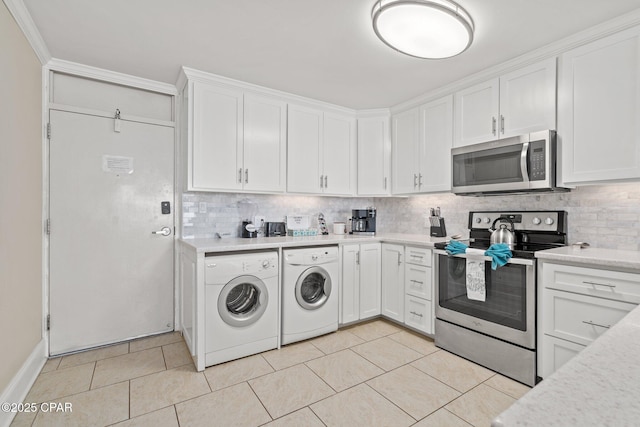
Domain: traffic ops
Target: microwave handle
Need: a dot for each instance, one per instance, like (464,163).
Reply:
(523,162)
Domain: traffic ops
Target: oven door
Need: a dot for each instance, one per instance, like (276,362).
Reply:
(508,312)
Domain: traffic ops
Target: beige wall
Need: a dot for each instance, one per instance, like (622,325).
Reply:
(20,198)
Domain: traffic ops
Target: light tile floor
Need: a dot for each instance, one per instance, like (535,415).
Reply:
(371,374)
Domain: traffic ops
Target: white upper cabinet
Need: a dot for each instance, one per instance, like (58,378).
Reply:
(265,143)
(599,107)
(519,102)
(374,156)
(237,142)
(321,152)
(436,138)
(405,130)
(215,155)
(421,147)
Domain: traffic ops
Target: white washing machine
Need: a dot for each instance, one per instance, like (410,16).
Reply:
(242,304)
(310,289)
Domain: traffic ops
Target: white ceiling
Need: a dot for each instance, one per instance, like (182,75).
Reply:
(323,49)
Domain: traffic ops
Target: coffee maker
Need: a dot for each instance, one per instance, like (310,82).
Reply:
(363,221)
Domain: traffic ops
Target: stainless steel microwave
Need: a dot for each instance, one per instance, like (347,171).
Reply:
(524,163)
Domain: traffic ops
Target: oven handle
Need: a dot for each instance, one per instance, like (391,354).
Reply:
(519,261)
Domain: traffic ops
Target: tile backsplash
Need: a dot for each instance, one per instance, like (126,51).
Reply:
(606,216)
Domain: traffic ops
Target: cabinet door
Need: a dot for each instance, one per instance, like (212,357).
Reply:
(404,143)
(528,99)
(555,353)
(370,280)
(303,154)
(436,138)
(339,154)
(215,157)
(476,113)
(392,270)
(599,106)
(350,295)
(265,144)
(374,153)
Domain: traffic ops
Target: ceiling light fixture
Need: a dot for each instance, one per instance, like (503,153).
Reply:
(431,29)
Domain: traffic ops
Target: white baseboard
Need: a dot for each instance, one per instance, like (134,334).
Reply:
(21,383)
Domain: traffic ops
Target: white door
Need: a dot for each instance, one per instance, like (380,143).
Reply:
(476,113)
(303,152)
(392,270)
(374,152)
(405,130)
(111,279)
(338,154)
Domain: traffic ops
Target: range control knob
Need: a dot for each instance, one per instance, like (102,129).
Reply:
(266,263)
(548,221)
(536,221)
(487,220)
(478,220)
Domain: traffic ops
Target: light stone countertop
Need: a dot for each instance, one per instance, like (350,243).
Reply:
(598,387)
(258,243)
(593,257)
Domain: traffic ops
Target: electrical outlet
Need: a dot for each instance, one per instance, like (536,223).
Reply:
(427,222)
(259,220)
(202,207)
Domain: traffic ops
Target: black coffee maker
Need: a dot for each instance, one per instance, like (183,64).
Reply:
(363,221)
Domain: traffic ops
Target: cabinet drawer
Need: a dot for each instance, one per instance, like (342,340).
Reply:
(613,285)
(555,353)
(580,318)
(417,314)
(417,281)
(418,256)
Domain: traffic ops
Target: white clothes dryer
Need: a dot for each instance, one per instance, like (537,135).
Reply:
(310,289)
(242,305)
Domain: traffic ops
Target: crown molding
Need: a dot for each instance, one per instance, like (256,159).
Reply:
(68,67)
(190,74)
(23,18)
(556,48)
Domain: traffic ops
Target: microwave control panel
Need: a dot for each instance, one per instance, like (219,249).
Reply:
(537,161)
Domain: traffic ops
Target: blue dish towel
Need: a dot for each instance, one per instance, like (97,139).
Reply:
(455,247)
(499,253)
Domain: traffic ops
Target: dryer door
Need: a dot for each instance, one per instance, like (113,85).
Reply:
(243,301)
(313,288)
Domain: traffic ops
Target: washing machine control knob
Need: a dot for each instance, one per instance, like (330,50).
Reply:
(266,263)
(314,257)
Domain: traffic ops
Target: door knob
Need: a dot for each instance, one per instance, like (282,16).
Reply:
(165,231)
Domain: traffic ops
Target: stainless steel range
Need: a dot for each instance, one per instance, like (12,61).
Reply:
(499,332)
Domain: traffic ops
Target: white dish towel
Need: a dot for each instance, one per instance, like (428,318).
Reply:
(476,289)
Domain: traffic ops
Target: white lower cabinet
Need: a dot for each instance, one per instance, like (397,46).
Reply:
(393,281)
(418,314)
(418,288)
(361,282)
(577,305)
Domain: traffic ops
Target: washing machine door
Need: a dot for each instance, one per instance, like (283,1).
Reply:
(243,301)
(313,288)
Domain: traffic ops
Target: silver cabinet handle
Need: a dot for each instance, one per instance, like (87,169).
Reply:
(246,176)
(417,281)
(240,176)
(326,181)
(385,182)
(419,180)
(358,258)
(493,125)
(165,231)
(589,322)
(416,314)
(399,258)
(321,181)
(502,124)
(598,284)
(415,180)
